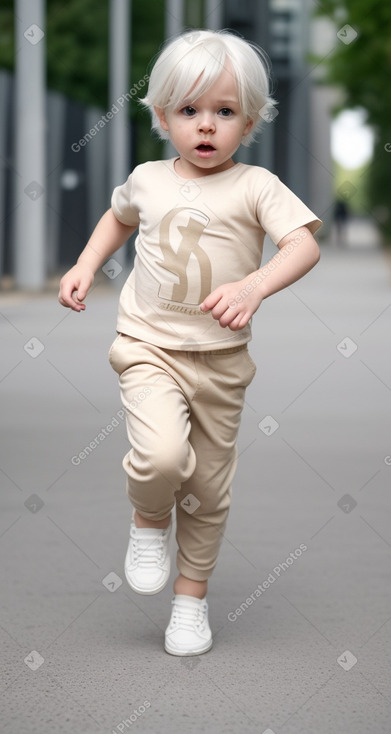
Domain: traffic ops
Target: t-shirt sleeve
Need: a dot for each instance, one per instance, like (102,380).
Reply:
(280,211)
(123,207)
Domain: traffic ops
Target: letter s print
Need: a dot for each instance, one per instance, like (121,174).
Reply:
(183,257)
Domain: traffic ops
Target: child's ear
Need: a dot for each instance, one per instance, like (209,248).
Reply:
(249,125)
(162,118)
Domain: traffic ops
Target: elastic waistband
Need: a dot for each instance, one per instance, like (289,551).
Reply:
(227,350)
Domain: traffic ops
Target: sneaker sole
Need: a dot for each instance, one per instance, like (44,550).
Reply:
(147,592)
(188,653)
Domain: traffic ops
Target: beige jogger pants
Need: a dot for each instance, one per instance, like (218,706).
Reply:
(183,413)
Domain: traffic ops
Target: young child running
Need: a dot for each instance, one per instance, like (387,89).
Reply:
(184,313)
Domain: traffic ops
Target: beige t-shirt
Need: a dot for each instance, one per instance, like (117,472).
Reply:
(195,235)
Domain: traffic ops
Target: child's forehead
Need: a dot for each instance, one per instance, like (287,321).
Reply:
(224,88)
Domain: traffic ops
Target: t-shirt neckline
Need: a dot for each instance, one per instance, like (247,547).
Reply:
(171,162)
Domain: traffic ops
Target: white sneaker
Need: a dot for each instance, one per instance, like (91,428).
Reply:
(188,632)
(147,562)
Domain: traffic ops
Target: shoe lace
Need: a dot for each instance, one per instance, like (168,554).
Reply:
(146,551)
(187,617)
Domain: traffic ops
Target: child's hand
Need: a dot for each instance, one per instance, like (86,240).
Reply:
(74,286)
(233,304)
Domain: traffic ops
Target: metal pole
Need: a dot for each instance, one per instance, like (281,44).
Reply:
(56,114)
(174,23)
(30,199)
(214,15)
(174,18)
(119,139)
(5,86)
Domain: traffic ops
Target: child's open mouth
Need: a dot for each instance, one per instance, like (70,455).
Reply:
(205,150)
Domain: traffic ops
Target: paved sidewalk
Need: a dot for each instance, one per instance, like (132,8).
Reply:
(300,602)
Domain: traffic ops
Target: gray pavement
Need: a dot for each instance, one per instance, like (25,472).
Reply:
(308,533)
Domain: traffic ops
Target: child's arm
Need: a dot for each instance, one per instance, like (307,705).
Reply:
(107,237)
(233,304)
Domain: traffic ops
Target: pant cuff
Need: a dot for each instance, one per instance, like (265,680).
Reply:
(192,573)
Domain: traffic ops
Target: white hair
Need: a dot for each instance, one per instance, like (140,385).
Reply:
(194,61)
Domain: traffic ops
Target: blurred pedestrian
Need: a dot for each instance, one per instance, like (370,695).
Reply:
(341,215)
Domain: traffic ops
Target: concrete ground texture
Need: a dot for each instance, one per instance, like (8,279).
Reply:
(300,601)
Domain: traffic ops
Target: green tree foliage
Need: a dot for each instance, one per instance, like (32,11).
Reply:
(7,34)
(363,69)
(77,44)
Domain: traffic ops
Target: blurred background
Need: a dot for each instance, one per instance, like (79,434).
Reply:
(71,127)
(313,653)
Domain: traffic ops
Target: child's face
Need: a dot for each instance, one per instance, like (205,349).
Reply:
(206,133)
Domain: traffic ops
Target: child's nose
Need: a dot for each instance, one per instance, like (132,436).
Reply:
(206,123)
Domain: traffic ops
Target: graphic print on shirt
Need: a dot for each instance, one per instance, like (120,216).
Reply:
(183,257)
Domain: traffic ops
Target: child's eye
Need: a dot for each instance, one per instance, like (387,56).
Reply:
(188,111)
(225,112)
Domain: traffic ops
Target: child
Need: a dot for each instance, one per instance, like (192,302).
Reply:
(184,312)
